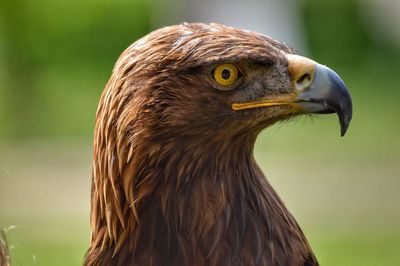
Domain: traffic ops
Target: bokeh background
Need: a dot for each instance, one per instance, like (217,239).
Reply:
(56,56)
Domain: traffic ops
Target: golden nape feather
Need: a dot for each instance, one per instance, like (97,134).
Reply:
(174,177)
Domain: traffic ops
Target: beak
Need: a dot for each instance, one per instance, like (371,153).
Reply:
(317,89)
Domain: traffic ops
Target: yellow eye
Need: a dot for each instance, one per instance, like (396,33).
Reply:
(226,74)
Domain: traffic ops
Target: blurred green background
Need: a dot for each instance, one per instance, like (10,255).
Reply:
(55,58)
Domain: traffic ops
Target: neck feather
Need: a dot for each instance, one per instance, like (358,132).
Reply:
(208,203)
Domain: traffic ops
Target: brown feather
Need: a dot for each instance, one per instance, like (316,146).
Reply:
(174,183)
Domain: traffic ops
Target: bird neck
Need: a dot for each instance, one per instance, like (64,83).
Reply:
(223,191)
(191,202)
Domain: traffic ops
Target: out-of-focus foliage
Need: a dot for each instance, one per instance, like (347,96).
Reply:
(335,32)
(338,33)
(55,59)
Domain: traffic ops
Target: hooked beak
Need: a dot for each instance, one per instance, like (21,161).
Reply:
(317,89)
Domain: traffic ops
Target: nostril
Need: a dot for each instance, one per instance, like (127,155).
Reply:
(303,81)
(304,78)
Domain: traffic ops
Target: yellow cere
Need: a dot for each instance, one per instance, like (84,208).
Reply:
(226,74)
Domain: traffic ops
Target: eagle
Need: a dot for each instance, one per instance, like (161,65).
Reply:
(174,179)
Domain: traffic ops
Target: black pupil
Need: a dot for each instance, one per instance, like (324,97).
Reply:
(226,74)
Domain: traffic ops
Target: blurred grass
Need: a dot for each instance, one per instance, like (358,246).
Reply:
(357,249)
(49,242)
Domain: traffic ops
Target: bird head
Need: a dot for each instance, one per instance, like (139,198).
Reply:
(194,80)
(184,105)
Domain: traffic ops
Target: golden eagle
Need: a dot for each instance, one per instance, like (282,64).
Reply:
(174,177)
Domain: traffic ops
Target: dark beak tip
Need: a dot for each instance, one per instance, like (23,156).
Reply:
(341,99)
(343,131)
(344,120)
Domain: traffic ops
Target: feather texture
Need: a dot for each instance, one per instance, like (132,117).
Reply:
(174,179)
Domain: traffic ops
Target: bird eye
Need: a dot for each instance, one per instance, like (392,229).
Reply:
(226,74)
